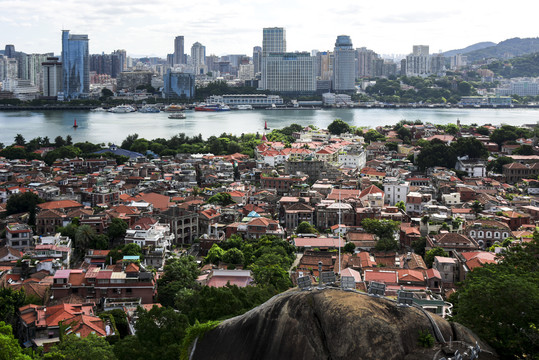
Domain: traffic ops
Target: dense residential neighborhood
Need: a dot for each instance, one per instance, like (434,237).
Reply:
(91,246)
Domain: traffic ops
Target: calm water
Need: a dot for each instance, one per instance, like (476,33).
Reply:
(105,127)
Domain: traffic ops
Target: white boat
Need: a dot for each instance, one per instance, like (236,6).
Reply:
(98,109)
(244,107)
(149,109)
(177,115)
(122,109)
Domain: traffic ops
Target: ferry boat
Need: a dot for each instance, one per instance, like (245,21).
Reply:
(149,109)
(174,108)
(244,107)
(178,115)
(122,109)
(212,107)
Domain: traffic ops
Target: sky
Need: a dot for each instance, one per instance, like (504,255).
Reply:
(148,27)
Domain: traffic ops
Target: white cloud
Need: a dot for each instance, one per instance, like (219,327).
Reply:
(235,26)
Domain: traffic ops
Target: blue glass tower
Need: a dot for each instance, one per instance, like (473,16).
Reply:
(75,65)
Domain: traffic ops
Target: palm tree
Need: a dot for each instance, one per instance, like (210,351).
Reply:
(84,236)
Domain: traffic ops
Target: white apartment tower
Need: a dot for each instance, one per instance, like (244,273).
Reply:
(52,77)
(198,58)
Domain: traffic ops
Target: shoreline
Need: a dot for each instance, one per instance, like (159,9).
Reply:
(363,107)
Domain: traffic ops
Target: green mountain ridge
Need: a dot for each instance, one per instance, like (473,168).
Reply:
(467,49)
(506,49)
(522,66)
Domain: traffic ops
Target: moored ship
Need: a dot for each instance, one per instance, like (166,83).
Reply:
(212,107)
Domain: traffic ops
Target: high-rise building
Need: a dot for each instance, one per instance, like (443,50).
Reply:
(122,58)
(75,65)
(179,51)
(198,58)
(365,62)
(257,58)
(178,85)
(417,63)
(273,40)
(9,51)
(344,74)
(289,72)
(52,77)
(8,68)
(324,65)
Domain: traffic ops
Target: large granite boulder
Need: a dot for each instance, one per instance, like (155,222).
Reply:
(333,324)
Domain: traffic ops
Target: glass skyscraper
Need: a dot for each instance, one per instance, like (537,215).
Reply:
(75,65)
(344,72)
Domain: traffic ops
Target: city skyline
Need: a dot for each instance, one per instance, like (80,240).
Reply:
(145,29)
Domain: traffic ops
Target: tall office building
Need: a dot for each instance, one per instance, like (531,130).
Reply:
(257,58)
(179,51)
(75,65)
(9,51)
(198,58)
(289,72)
(418,62)
(178,85)
(122,58)
(8,68)
(273,40)
(52,77)
(344,74)
(365,62)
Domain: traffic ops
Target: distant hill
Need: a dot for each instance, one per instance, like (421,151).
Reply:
(506,49)
(522,66)
(478,46)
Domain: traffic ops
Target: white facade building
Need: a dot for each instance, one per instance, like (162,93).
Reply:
(289,72)
(396,190)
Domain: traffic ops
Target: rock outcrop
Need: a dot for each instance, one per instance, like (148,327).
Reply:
(331,324)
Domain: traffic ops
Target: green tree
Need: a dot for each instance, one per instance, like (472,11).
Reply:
(19,140)
(401,205)
(117,229)
(470,146)
(404,134)
(9,346)
(349,247)
(436,154)
(381,228)
(23,202)
(500,302)
(233,256)
(222,199)
(159,333)
(84,236)
(419,246)
(178,274)
(89,348)
(128,141)
(429,255)
(523,150)
(477,207)
(338,127)
(482,131)
(131,249)
(373,135)
(386,244)
(271,275)
(10,302)
(497,165)
(306,228)
(215,254)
